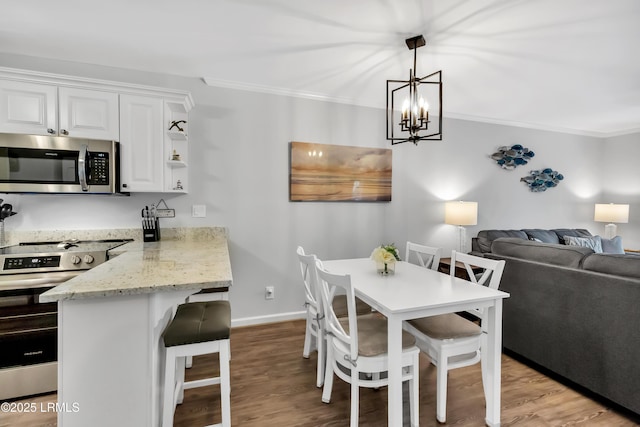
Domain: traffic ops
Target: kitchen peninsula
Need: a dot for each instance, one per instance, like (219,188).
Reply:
(110,319)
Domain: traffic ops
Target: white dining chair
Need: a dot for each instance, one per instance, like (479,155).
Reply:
(357,347)
(450,340)
(314,338)
(314,330)
(424,256)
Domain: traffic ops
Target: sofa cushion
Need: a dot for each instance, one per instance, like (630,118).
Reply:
(594,242)
(485,237)
(567,256)
(616,264)
(612,246)
(544,236)
(575,232)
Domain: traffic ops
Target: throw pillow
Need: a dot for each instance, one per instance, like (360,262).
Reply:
(594,242)
(612,246)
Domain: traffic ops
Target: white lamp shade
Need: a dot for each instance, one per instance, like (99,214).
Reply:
(611,213)
(461,213)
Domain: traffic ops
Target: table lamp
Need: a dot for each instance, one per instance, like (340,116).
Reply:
(611,213)
(461,214)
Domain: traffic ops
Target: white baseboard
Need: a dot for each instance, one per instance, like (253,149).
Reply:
(270,318)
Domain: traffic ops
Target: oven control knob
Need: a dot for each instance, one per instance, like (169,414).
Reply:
(88,259)
(75,259)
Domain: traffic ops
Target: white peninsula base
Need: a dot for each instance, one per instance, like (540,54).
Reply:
(110,321)
(112,359)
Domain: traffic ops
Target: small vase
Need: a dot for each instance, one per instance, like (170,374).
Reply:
(386,268)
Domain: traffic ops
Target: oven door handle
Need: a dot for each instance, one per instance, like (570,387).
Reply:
(46,280)
(82,167)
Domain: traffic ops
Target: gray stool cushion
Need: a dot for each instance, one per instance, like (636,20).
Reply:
(197,322)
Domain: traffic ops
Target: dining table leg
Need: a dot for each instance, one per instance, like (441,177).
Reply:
(394,351)
(491,363)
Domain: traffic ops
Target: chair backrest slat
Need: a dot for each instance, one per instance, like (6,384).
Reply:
(426,256)
(309,277)
(490,276)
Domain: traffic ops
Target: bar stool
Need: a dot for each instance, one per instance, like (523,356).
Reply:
(197,328)
(211,294)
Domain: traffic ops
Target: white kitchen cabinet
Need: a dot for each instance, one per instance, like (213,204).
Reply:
(85,113)
(141,143)
(29,108)
(42,109)
(153,155)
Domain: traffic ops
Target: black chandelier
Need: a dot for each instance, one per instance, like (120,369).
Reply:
(412,122)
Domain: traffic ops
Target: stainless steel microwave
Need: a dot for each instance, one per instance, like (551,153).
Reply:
(49,164)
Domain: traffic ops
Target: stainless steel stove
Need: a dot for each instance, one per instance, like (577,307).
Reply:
(28,328)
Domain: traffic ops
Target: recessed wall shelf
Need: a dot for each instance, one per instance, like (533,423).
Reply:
(177,135)
(176,164)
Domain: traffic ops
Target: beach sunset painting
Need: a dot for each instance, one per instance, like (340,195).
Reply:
(338,173)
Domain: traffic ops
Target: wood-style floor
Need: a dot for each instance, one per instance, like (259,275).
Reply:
(272,385)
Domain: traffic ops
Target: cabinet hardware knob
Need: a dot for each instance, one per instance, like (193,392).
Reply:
(51,131)
(64,132)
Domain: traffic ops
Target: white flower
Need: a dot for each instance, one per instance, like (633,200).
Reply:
(383,256)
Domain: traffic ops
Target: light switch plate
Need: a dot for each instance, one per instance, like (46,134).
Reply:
(199,211)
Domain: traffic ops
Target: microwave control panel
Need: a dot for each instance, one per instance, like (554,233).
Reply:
(98,169)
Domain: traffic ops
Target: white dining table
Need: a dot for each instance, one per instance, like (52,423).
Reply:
(413,292)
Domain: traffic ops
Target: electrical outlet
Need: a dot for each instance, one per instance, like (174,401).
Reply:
(269,292)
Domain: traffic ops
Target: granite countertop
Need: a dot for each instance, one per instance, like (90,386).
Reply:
(192,261)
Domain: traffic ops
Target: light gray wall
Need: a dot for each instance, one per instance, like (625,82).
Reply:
(239,169)
(621,180)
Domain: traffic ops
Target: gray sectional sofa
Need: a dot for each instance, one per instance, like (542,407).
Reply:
(572,311)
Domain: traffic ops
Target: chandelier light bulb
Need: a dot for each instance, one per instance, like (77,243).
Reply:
(405,109)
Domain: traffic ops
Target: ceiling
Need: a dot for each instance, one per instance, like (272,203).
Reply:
(570,65)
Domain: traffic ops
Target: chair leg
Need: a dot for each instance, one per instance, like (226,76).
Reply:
(355,397)
(307,339)
(225,383)
(169,404)
(180,365)
(328,376)
(441,387)
(414,391)
(322,358)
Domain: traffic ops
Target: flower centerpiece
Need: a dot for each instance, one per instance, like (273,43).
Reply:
(385,257)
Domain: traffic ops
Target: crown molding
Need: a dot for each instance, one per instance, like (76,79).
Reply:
(273,90)
(228,84)
(75,81)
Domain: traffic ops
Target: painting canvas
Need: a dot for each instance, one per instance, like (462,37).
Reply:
(338,173)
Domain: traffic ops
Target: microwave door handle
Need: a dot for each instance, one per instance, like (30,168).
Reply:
(82,167)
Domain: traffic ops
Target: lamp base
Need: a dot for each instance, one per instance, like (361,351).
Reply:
(462,238)
(610,231)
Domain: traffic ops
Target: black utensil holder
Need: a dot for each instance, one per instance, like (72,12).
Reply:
(150,230)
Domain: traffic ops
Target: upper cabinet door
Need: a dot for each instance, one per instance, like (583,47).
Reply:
(28,108)
(141,143)
(88,114)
